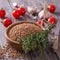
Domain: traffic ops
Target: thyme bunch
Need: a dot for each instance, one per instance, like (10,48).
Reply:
(37,40)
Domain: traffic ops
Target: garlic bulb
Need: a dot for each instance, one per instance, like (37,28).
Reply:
(41,14)
(31,9)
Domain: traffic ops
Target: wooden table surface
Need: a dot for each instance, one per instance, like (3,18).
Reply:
(7,5)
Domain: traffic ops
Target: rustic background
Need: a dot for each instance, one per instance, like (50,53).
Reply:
(8,7)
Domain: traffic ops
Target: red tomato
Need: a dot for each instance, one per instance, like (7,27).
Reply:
(52,20)
(41,23)
(51,8)
(16,14)
(22,10)
(2,13)
(7,22)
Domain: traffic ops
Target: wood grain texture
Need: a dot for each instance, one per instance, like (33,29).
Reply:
(9,7)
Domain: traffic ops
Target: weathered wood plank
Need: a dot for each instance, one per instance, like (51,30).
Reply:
(30,3)
(4,5)
(8,8)
(57,13)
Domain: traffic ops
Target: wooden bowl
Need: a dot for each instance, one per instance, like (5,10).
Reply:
(13,43)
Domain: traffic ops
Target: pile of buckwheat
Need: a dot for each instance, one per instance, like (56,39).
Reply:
(9,52)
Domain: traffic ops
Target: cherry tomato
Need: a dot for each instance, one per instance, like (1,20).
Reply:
(51,8)
(52,20)
(2,13)
(41,23)
(6,22)
(16,14)
(22,10)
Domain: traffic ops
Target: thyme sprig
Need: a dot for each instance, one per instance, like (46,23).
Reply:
(37,40)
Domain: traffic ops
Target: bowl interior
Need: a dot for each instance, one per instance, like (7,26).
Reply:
(12,25)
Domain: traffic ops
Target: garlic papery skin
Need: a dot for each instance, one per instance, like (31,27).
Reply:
(31,9)
(41,14)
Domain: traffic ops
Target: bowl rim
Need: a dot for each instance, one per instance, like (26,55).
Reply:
(10,26)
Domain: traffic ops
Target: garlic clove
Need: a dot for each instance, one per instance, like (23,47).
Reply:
(31,10)
(55,43)
(35,17)
(15,4)
(41,14)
